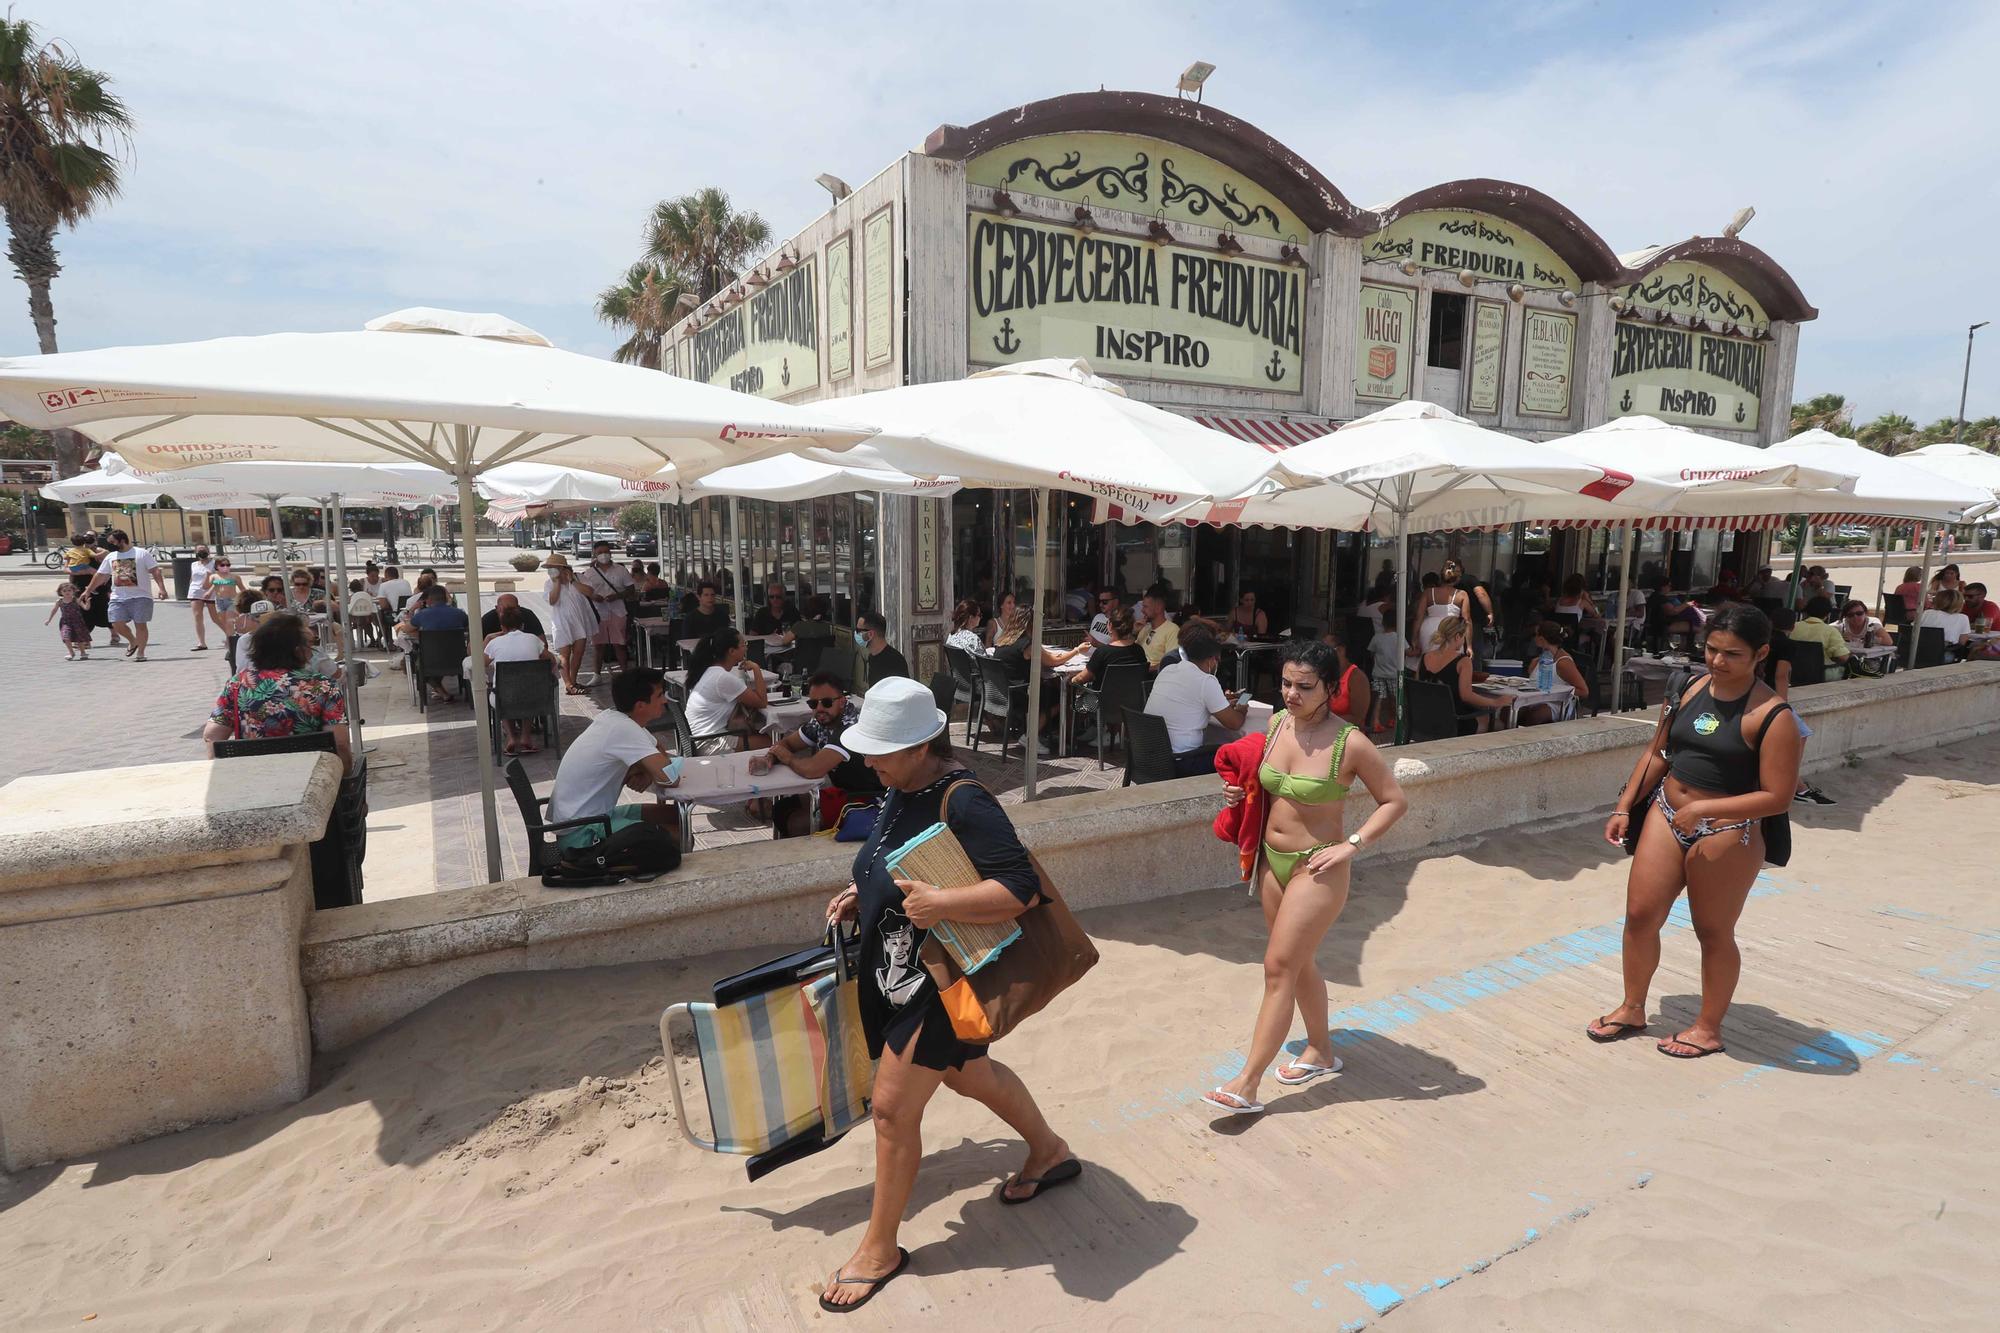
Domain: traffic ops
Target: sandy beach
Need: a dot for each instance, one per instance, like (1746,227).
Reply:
(507,1157)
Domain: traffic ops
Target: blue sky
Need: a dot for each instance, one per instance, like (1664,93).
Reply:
(307,167)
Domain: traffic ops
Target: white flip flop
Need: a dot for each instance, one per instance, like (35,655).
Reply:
(1312,1071)
(1230,1102)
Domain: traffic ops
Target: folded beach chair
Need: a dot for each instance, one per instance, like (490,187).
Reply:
(784,1065)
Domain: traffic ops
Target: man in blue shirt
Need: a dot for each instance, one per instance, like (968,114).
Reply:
(438,612)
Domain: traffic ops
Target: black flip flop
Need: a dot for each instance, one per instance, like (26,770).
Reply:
(874,1284)
(1699,1051)
(1060,1174)
(1619,1031)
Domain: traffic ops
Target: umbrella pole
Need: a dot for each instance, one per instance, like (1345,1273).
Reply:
(1032,725)
(736,560)
(1798,561)
(1624,600)
(278,537)
(481,735)
(1923,596)
(1882,574)
(338,601)
(1405,630)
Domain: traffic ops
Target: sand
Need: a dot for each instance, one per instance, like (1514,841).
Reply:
(508,1158)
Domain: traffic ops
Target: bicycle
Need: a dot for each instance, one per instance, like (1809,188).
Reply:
(53,560)
(444,550)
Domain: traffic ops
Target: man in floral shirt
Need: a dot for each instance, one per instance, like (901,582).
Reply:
(278,695)
(815,751)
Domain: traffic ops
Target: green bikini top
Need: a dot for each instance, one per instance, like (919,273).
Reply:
(1298,787)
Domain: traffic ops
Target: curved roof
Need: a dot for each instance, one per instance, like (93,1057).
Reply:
(1762,275)
(1292,180)
(1561,230)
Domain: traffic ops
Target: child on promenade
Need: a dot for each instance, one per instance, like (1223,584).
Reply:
(71,625)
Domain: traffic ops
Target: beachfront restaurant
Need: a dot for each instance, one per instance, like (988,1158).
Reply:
(1203,266)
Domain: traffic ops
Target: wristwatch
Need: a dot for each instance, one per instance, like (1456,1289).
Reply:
(1354,841)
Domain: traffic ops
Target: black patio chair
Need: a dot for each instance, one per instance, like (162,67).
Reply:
(1149,750)
(965,681)
(440,653)
(1434,713)
(1808,661)
(944,692)
(674,723)
(1001,698)
(542,832)
(1123,688)
(1930,646)
(525,692)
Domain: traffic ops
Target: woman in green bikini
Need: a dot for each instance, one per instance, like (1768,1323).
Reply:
(1312,759)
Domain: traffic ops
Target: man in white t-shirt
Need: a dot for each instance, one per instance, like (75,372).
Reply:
(127,569)
(1189,697)
(711,707)
(1100,623)
(614,753)
(513,644)
(392,586)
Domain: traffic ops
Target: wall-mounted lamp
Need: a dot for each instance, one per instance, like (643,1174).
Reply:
(1619,305)
(1516,292)
(1290,254)
(686,302)
(1228,244)
(1084,220)
(833,185)
(1663,316)
(1467,278)
(1698,323)
(757,278)
(787,260)
(1566,298)
(1160,232)
(1005,203)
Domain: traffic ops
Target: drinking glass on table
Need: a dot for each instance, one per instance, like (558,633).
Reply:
(760,763)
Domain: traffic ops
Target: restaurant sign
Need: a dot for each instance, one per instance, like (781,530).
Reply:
(769,345)
(1132,307)
(1388,343)
(1548,363)
(1688,377)
(1695,291)
(1140,175)
(1458,240)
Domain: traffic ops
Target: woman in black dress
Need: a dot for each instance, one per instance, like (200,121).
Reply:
(902,736)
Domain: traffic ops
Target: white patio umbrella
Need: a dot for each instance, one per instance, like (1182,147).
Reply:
(1961,463)
(460,392)
(1054,424)
(1721,479)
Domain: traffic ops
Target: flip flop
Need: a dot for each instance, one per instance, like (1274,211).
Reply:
(874,1284)
(1699,1050)
(1619,1031)
(1311,1071)
(1230,1102)
(1060,1174)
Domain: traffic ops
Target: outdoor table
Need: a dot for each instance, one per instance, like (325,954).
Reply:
(1244,649)
(1652,669)
(1256,718)
(1885,652)
(719,780)
(1978,636)
(1065,677)
(648,626)
(786,715)
(1522,695)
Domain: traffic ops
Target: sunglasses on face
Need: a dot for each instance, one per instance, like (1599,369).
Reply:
(824,703)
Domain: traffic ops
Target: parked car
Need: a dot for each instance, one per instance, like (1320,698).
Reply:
(565,538)
(589,537)
(642,543)
(347,535)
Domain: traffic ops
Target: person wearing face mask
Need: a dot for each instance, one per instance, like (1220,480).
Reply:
(607,586)
(879,661)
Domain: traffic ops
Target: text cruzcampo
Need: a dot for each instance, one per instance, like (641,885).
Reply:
(1020,267)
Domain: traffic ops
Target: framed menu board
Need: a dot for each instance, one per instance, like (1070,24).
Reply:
(1388,344)
(840,307)
(1482,379)
(1548,359)
(878,287)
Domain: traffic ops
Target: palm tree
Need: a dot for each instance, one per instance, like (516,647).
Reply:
(701,235)
(1827,411)
(648,302)
(1889,433)
(62,134)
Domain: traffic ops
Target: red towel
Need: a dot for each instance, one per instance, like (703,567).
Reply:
(1243,823)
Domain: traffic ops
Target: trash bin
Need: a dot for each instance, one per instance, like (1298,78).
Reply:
(183,576)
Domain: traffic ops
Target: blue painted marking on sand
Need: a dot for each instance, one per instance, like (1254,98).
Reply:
(1301,1285)
(1540,1198)
(1353,1326)
(1381,1297)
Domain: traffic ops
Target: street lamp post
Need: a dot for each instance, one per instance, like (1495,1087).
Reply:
(1958,433)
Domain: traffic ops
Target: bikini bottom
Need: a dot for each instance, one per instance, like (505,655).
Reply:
(1282,864)
(1705,828)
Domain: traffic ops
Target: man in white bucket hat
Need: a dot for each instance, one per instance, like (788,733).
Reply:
(902,735)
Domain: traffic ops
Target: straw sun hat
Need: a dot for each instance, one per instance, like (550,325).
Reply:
(555,560)
(896,714)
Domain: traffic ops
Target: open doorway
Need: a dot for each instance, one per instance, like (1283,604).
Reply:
(1444,358)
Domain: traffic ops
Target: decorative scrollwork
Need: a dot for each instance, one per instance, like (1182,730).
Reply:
(1199,199)
(1549,276)
(1385,248)
(1691,293)
(1109,182)
(1475,227)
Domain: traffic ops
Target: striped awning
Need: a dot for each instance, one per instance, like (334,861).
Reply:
(1692,523)
(1273,433)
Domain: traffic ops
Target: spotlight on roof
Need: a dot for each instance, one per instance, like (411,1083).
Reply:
(1738,223)
(1193,77)
(833,185)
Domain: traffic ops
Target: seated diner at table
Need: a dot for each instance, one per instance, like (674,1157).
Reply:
(814,750)
(1812,627)
(1189,698)
(279,694)
(489,624)
(1001,615)
(1575,602)
(1011,651)
(1859,629)
(1549,638)
(814,626)
(720,700)
(1448,662)
(776,615)
(1245,619)
(707,617)
(1100,620)
(615,753)
(1667,610)
(879,661)
(1983,614)
(1351,699)
(1911,590)
(515,643)
(1947,612)
(1155,633)
(968,619)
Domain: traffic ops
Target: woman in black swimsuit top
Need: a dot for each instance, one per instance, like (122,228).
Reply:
(1730,764)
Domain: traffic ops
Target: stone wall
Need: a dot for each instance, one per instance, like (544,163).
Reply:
(367,966)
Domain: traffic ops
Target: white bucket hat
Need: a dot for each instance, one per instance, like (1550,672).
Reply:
(896,714)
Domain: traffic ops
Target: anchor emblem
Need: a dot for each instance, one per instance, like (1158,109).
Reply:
(785,371)
(1276,370)
(1740,414)
(1625,403)
(1006,343)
